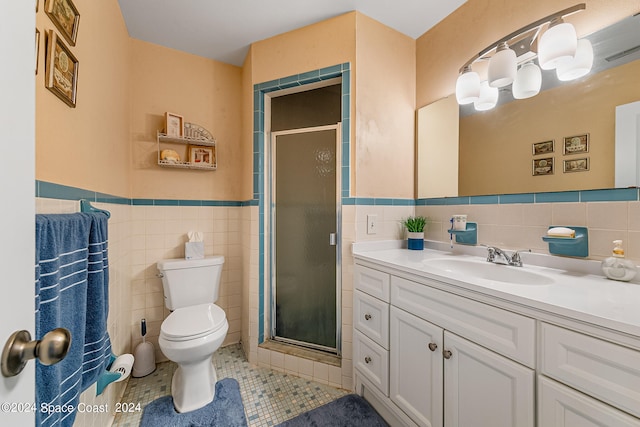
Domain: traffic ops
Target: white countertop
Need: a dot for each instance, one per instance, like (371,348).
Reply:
(578,293)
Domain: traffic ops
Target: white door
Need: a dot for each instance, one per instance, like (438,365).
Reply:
(484,389)
(415,368)
(17,138)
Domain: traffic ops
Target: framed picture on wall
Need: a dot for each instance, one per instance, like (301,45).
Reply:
(543,166)
(543,147)
(65,17)
(576,165)
(173,124)
(202,156)
(61,70)
(576,144)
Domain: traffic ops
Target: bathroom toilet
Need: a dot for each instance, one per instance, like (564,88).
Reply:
(194,330)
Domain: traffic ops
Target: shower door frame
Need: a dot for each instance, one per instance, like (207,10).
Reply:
(338,234)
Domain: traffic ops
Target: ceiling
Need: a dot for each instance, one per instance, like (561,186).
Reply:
(224,29)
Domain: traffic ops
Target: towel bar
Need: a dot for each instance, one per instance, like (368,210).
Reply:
(85,206)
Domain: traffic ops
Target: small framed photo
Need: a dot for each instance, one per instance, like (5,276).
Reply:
(543,166)
(173,124)
(576,144)
(543,147)
(576,165)
(202,156)
(61,70)
(65,17)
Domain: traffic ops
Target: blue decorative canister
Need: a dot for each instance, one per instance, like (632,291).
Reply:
(415,240)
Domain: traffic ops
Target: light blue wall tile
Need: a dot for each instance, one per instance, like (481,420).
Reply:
(456,201)
(517,198)
(483,200)
(332,71)
(558,197)
(609,195)
(64,192)
(142,202)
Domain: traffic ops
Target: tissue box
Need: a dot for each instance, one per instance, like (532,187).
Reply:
(194,250)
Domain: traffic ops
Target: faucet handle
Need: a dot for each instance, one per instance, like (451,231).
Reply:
(491,253)
(515,258)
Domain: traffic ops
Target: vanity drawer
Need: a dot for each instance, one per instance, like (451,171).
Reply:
(372,360)
(507,333)
(373,282)
(371,317)
(604,370)
(561,406)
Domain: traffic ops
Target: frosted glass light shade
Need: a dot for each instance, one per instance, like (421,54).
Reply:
(528,81)
(580,65)
(468,87)
(488,97)
(556,45)
(502,67)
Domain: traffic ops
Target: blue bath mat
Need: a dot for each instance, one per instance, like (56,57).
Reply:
(350,410)
(226,410)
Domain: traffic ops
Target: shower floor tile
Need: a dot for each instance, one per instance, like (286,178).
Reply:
(269,397)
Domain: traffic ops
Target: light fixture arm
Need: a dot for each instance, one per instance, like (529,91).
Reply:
(537,24)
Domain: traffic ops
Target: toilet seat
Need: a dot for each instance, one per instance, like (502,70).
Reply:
(193,322)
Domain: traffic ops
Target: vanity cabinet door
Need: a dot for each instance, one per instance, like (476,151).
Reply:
(484,389)
(415,359)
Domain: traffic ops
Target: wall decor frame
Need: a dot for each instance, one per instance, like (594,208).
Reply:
(544,147)
(202,156)
(173,124)
(543,166)
(61,70)
(65,16)
(576,144)
(576,165)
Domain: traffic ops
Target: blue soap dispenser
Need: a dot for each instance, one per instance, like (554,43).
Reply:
(616,267)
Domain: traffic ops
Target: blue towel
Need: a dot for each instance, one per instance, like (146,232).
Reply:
(72,279)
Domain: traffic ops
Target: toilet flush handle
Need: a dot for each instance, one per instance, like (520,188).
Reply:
(159,275)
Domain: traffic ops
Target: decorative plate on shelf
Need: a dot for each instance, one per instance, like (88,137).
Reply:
(194,131)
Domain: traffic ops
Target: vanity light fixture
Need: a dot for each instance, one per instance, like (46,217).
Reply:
(579,65)
(502,66)
(557,49)
(467,86)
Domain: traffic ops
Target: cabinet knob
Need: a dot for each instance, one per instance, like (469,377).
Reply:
(367,316)
(447,354)
(433,346)
(367,360)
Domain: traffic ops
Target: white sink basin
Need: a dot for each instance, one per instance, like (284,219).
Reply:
(489,271)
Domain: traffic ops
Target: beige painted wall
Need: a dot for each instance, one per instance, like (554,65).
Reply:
(442,50)
(88,146)
(201,90)
(385,111)
(496,147)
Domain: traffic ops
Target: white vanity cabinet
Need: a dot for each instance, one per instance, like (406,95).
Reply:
(437,375)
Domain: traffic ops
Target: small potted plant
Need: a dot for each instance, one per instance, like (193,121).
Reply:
(415,231)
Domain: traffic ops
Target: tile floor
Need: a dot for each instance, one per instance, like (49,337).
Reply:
(269,397)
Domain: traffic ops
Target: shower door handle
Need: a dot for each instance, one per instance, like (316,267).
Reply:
(333,239)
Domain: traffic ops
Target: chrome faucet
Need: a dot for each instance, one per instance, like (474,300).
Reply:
(495,255)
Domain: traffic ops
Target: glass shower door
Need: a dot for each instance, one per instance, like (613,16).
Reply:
(305,224)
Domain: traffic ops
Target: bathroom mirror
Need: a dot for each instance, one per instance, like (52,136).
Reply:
(524,146)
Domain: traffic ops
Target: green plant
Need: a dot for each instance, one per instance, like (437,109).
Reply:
(415,224)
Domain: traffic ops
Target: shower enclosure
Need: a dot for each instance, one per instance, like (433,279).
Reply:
(305,213)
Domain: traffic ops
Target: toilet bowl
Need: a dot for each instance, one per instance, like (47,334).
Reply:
(194,330)
(189,337)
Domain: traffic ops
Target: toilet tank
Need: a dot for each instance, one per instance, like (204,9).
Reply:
(189,282)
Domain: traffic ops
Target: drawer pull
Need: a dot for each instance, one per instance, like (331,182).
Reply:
(367,360)
(447,354)
(367,316)
(433,346)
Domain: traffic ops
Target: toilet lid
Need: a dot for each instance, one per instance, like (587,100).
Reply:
(192,322)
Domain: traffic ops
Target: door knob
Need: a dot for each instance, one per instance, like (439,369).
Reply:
(367,316)
(19,349)
(433,346)
(447,354)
